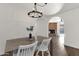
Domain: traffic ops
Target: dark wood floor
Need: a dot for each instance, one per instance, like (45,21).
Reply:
(58,49)
(72,51)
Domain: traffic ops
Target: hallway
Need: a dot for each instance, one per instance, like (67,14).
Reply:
(57,46)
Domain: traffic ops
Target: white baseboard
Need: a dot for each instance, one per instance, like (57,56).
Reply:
(73,46)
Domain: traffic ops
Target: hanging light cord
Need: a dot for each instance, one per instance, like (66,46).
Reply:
(35,6)
(42,5)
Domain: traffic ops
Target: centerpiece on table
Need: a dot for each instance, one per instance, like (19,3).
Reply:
(30,29)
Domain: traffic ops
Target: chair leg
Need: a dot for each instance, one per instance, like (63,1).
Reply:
(33,53)
(48,53)
(42,53)
(37,53)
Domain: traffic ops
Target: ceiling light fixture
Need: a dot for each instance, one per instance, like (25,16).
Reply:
(35,13)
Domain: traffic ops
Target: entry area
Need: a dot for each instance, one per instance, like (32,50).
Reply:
(56,31)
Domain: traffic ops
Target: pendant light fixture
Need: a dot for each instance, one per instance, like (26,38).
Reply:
(35,13)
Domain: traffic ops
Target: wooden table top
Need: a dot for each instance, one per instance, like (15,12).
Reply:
(14,43)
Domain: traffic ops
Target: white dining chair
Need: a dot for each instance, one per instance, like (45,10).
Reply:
(26,50)
(44,47)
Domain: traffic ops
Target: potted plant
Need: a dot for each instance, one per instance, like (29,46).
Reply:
(30,29)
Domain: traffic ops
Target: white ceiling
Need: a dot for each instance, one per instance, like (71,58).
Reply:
(69,6)
(49,9)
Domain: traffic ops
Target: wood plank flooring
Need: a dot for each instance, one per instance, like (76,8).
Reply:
(57,48)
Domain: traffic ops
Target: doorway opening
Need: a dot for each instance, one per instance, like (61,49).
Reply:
(56,28)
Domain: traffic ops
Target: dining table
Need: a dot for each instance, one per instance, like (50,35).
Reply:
(13,44)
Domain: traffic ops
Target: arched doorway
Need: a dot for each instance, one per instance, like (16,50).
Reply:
(56,27)
(56,31)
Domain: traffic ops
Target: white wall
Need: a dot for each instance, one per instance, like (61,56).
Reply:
(71,20)
(13,23)
(43,26)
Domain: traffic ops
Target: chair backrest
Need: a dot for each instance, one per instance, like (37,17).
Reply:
(45,43)
(27,50)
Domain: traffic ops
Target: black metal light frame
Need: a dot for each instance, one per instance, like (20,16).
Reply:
(35,13)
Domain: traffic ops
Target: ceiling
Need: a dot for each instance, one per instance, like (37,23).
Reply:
(49,9)
(69,6)
(53,8)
